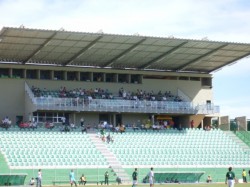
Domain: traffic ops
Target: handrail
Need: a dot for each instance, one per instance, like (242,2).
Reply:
(120,105)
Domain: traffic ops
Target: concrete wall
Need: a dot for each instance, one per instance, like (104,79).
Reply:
(224,123)
(89,118)
(241,122)
(12,102)
(133,118)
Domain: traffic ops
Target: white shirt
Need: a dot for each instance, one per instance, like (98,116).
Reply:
(63,119)
(39,175)
(151,175)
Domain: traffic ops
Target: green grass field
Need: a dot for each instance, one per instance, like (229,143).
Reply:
(179,185)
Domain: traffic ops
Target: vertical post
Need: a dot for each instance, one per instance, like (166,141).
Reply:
(153,119)
(114,120)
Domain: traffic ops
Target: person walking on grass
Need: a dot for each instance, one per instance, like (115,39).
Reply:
(134,176)
(72,178)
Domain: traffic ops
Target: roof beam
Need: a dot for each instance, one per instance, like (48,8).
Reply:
(39,48)
(107,64)
(90,45)
(162,55)
(182,67)
(232,61)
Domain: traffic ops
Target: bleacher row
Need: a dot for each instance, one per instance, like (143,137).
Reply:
(50,149)
(188,148)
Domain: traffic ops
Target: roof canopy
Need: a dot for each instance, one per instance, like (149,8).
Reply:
(63,48)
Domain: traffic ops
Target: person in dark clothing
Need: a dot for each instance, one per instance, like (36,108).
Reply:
(106,178)
(134,176)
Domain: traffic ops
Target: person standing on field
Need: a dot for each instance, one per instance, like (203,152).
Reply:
(39,179)
(151,177)
(244,176)
(106,178)
(230,177)
(134,176)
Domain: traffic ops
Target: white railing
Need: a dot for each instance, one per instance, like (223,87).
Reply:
(119,105)
(114,105)
(207,109)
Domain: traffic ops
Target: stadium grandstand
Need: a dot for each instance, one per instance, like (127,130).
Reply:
(97,102)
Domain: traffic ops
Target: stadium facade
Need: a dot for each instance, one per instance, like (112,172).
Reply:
(47,75)
(50,60)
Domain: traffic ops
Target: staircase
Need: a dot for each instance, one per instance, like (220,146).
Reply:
(110,157)
(242,144)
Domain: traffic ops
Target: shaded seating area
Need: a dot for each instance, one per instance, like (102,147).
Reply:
(98,93)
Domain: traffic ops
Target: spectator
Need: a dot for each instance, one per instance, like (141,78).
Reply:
(209,179)
(108,138)
(49,125)
(122,128)
(83,180)
(63,120)
(72,125)
(135,127)
(32,181)
(84,129)
(6,121)
(82,122)
(167,180)
(118,180)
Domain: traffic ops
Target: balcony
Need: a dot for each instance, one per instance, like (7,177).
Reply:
(118,105)
(108,105)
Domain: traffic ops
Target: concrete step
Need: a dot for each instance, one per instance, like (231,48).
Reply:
(111,159)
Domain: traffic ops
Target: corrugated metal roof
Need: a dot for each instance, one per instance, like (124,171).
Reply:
(63,48)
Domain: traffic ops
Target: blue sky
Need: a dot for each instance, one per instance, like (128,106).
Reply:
(218,20)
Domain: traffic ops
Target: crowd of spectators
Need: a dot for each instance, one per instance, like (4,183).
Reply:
(99,93)
(63,92)
(149,96)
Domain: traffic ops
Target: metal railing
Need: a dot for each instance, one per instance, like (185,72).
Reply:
(118,105)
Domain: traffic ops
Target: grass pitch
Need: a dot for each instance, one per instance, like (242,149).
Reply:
(169,184)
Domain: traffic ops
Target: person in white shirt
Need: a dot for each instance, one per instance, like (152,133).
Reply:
(151,177)
(32,181)
(82,121)
(39,178)
(63,120)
